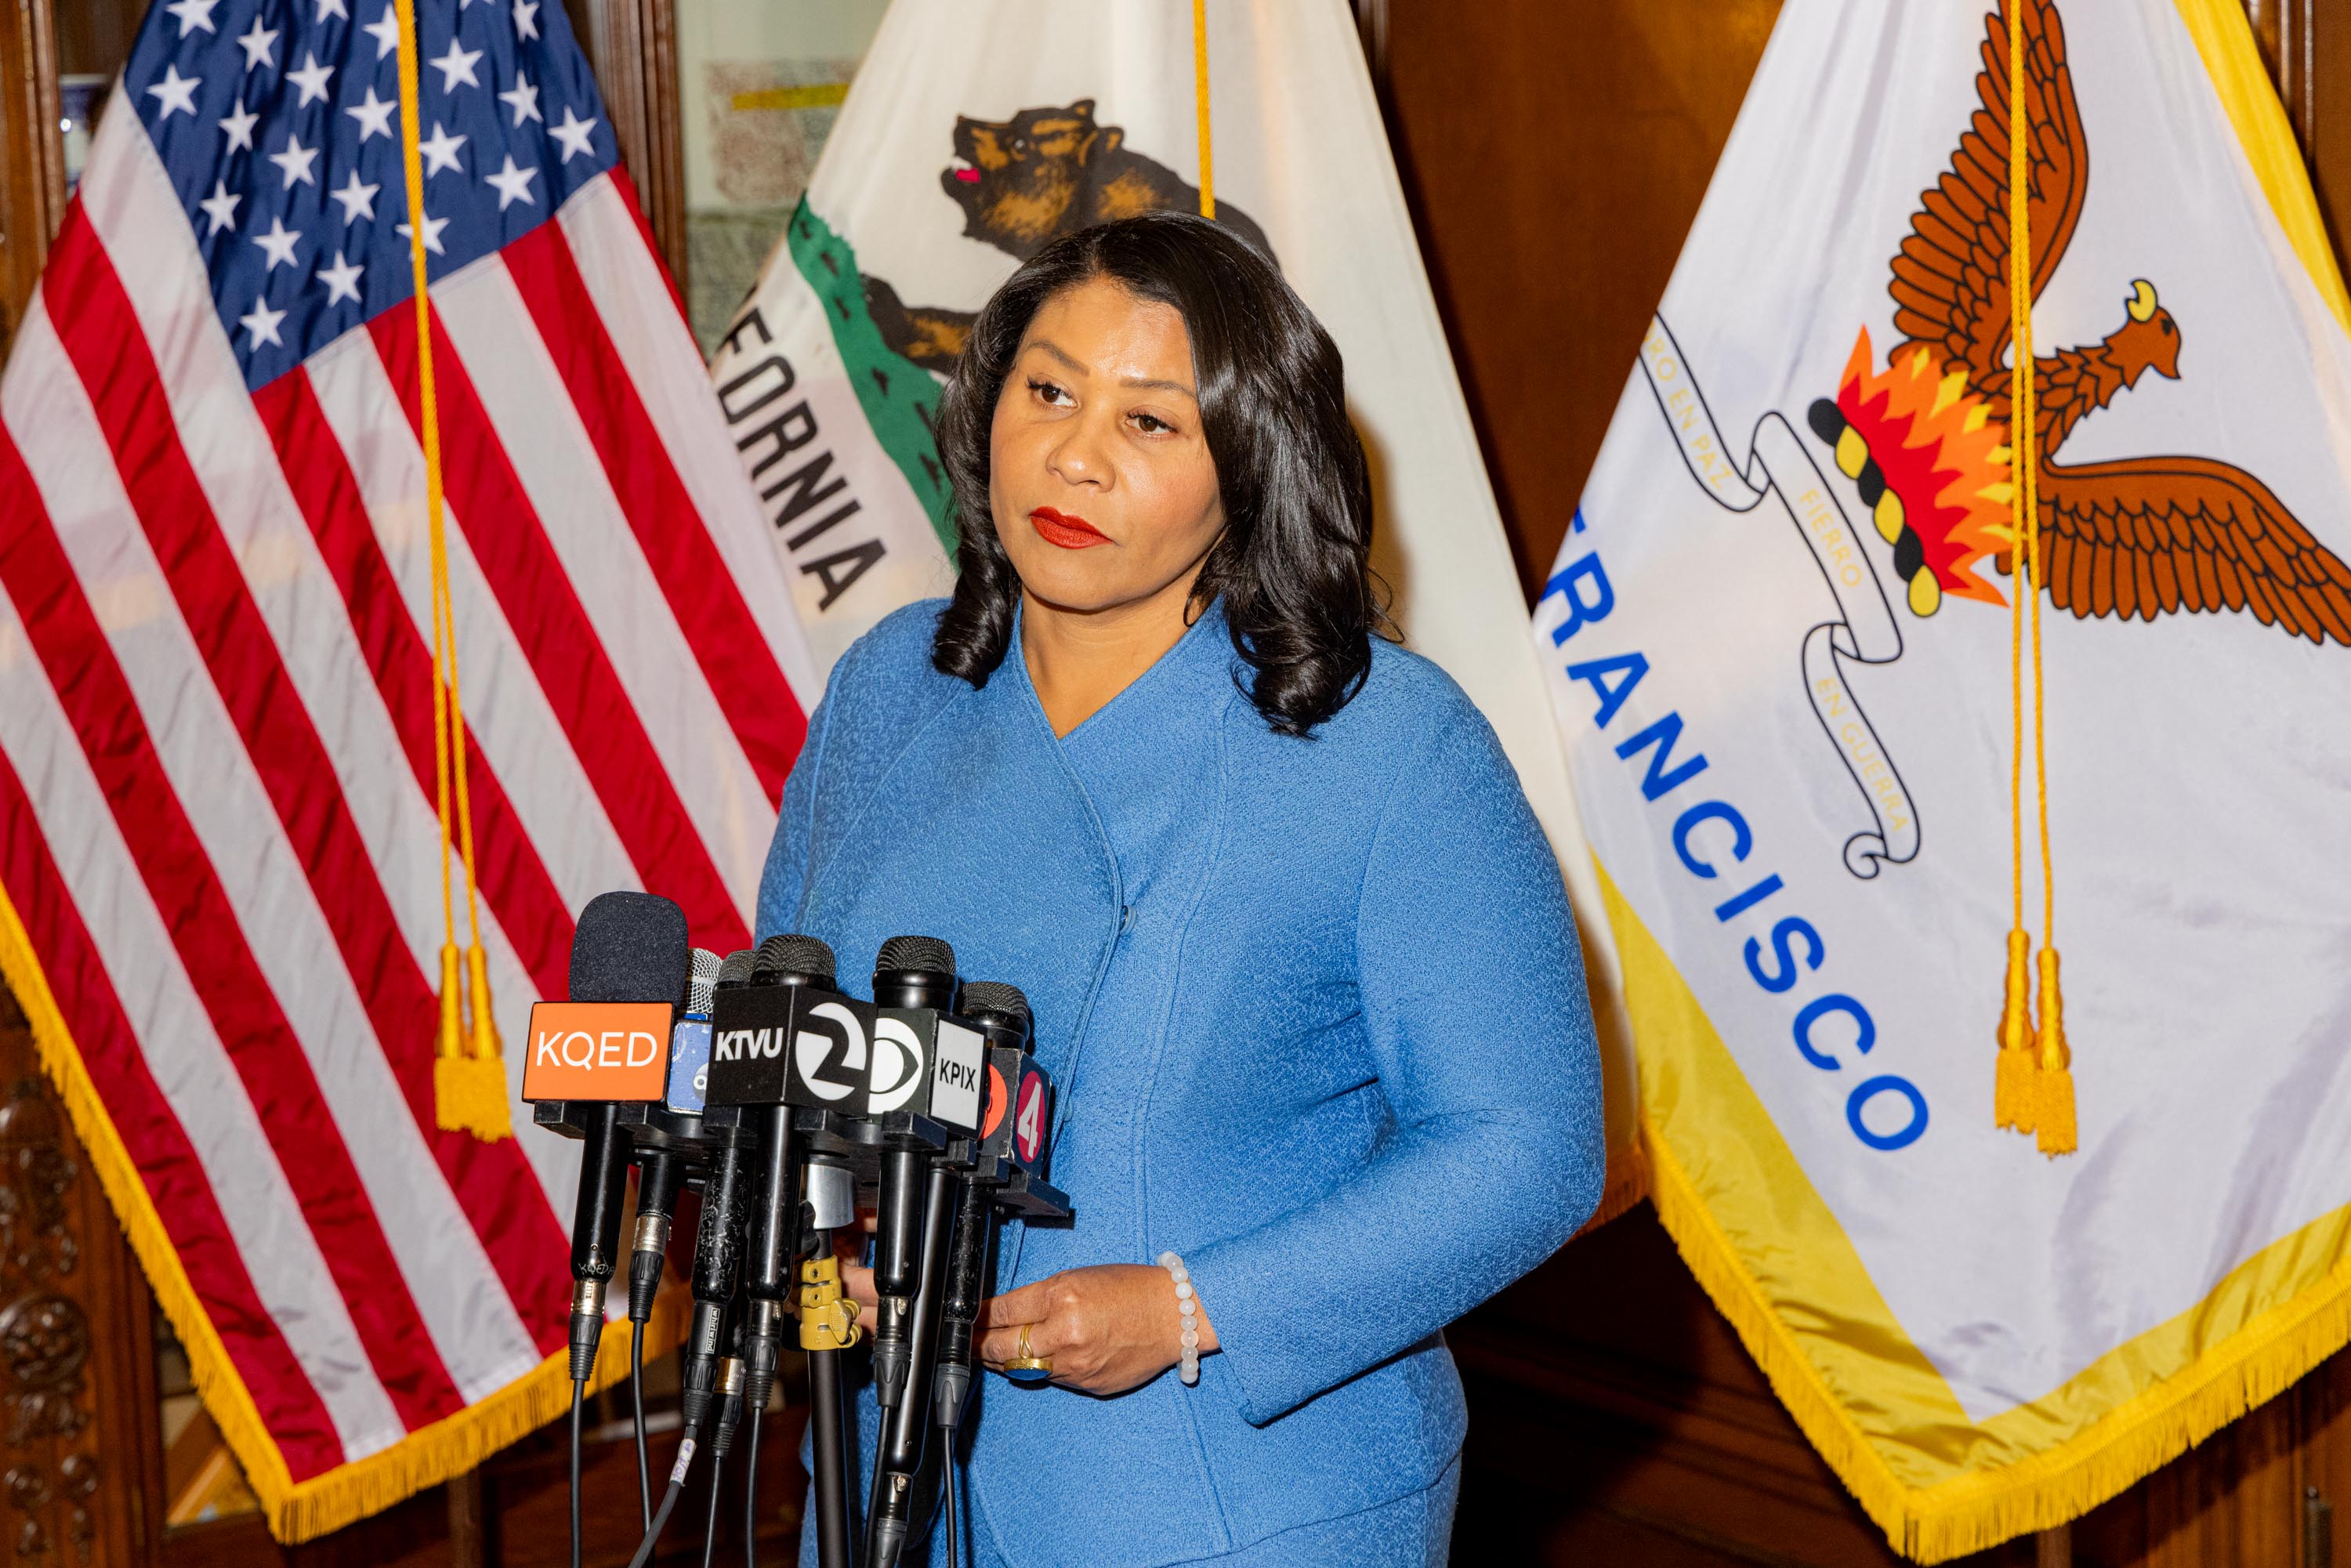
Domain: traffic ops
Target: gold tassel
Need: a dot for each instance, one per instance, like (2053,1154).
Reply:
(469,1095)
(469,1091)
(2053,1117)
(2013,1088)
(492,1117)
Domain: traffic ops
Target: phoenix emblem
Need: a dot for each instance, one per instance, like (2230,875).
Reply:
(1926,439)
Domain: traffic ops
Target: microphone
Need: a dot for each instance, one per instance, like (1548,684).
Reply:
(605,1046)
(912,986)
(664,1152)
(772,1242)
(911,973)
(1000,1013)
(789,1048)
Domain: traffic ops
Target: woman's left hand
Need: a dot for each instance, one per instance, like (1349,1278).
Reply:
(1106,1329)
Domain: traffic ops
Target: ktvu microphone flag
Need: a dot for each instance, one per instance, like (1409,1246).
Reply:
(974,134)
(1778,644)
(218,841)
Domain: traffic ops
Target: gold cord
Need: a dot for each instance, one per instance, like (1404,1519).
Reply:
(2033,1090)
(469,1074)
(1200,107)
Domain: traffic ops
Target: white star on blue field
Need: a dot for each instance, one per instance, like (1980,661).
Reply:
(278,122)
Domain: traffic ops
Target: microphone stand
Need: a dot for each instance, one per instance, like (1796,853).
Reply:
(829,1327)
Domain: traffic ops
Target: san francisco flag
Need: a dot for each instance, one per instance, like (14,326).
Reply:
(1999,1259)
(977,132)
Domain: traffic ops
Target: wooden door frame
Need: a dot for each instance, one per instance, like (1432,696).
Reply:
(632,45)
(32,156)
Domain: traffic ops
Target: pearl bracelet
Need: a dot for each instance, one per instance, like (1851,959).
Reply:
(1188,1303)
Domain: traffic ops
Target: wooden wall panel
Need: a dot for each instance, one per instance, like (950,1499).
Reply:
(80,1452)
(1555,153)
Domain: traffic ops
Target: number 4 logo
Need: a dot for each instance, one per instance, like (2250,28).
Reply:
(1028,1121)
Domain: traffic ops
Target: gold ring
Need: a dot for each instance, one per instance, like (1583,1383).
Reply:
(1027,1365)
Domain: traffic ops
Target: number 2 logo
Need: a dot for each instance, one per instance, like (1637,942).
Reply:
(828,1062)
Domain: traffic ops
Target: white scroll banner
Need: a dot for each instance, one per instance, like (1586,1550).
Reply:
(1777,465)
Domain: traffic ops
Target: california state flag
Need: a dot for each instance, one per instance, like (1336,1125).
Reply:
(977,131)
(1785,651)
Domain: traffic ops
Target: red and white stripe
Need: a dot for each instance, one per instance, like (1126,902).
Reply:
(217,813)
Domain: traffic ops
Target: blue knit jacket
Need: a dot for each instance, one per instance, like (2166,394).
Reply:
(1316,1015)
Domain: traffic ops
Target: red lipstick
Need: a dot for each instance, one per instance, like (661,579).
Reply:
(1069,532)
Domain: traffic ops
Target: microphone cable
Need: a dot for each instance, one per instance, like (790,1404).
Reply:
(751,1491)
(955,1499)
(579,1398)
(668,1502)
(710,1520)
(725,1417)
(637,1410)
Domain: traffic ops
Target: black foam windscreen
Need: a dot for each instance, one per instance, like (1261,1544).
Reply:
(926,953)
(629,947)
(788,952)
(736,969)
(995,997)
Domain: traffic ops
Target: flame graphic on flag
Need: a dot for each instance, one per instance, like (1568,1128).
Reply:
(1942,474)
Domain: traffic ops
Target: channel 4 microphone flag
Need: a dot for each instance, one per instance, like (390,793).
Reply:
(219,843)
(978,130)
(1888,673)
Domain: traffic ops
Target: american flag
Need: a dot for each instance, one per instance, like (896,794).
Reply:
(217,833)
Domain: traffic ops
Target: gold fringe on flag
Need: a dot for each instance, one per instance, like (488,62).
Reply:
(469,1078)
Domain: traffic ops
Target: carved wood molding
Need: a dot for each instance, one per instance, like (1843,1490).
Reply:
(79,1450)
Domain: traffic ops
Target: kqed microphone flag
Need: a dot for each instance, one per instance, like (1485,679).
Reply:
(977,132)
(1841,773)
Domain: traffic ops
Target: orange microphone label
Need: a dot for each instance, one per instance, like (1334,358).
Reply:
(597,1051)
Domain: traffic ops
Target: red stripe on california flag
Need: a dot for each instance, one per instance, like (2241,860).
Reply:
(540,604)
(102,337)
(727,644)
(253,1029)
(520,1233)
(151,1134)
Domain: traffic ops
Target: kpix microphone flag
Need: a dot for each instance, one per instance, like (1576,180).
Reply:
(1789,654)
(218,841)
(975,132)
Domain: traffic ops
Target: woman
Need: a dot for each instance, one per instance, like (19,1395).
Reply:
(1298,955)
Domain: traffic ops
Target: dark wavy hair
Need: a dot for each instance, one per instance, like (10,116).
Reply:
(1293,564)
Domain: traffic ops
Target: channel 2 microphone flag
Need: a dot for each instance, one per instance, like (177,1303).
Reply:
(975,132)
(1999,1259)
(218,837)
